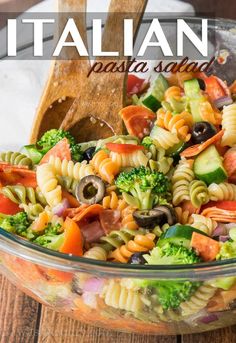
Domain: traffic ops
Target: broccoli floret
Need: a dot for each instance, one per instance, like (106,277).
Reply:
(147,142)
(50,241)
(146,188)
(52,137)
(17,223)
(227,250)
(171,293)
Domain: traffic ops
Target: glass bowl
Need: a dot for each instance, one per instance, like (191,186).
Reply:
(111,295)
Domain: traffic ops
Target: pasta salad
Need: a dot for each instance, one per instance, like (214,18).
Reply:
(163,193)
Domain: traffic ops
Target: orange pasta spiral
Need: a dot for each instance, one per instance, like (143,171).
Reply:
(178,123)
(104,166)
(209,114)
(110,201)
(183,216)
(141,243)
(173,92)
(127,219)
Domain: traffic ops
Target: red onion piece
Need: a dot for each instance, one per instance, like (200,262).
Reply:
(220,230)
(93,285)
(210,318)
(223,101)
(224,238)
(60,208)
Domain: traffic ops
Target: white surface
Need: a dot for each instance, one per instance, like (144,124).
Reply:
(22,81)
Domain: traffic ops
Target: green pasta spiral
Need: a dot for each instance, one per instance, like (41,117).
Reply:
(23,195)
(32,210)
(199,194)
(15,158)
(118,237)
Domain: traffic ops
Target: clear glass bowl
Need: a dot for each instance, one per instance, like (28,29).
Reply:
(109,295)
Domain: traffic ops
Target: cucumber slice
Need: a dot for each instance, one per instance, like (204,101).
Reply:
(32,152)
(178,235)
(193,93)
(175,150)
(153,98)
(208,166)
(87,145)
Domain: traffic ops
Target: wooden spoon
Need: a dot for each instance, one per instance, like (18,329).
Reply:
(63,84)
(94,112)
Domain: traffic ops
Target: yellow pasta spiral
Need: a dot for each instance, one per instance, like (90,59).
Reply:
(181,180)
(178,123)
(183,216)
(166,139)
(204,224)
(229,125)
(121,298)
(104,166)
(134,159)
(198,301)
(199,194)
(222,191)
(110,201)
(48,184)
(141,243)
(70,169)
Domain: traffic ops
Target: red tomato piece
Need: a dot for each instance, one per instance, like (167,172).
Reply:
(7,206)
(134,84)
(223,204)
(214,87)
(123,148)
(61,150)
(230,163)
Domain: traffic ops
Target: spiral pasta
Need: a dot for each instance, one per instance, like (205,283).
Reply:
(229,125)
(166,139)
(181,180)
(134,159)
(183,216)
(222,191)
(68,183)
(204,224)
(140,243)
(198,301)
(32,210)
(118,237)
(96,253)
(209,114)
(198,193)
(110,201)
(23,195)
(15,158)
(121,298)
(173,92)
(104,166)
(48,184)
(179,123)
(70,169)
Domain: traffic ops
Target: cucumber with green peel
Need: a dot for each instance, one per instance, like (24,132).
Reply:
(128,139)
(175,150)
(178,235)
(208,166)
(193,93)
(155,95)
(86,145)
(32,152)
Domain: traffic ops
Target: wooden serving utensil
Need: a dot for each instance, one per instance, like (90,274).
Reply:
(65,77)
(94,112)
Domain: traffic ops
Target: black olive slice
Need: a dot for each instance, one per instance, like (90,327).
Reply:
(202,131)
(88,154)
(137,258)
(169,212)
(90,190)
(147,218)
